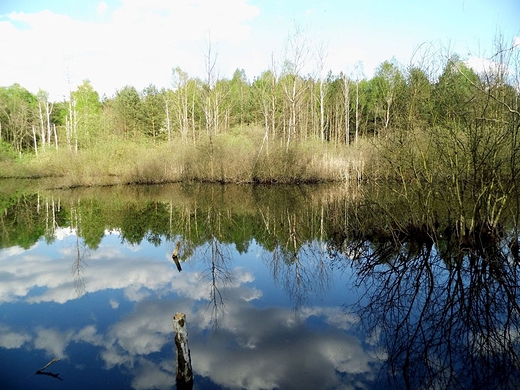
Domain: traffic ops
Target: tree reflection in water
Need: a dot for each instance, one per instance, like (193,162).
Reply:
(444,304)
(81,253)
(440,290)
(299,265)
(217,273)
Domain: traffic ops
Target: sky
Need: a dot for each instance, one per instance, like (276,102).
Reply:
(54,45)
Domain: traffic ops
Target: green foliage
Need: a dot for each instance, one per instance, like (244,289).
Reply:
(7,152)
(128,111)
(154,114)
(86,114)
(283,123)
(17,116)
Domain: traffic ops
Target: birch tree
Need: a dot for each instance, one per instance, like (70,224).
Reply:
(359,75)
(180,80)
(212,96)
(296,55)
(346,106)
(44,114)
(321,55)
(388,80)
(264,91)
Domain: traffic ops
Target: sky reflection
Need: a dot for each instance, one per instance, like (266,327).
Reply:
(107,314)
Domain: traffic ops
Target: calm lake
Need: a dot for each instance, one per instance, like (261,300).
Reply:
(282,287)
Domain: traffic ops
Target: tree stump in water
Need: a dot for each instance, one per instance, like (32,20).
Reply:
(184,376)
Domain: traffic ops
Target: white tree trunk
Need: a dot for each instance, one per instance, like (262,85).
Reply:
(346,103)
(322,110)
(48,110)
(357,112)
(42,127)
(55,135)
(35,140)
(168,121)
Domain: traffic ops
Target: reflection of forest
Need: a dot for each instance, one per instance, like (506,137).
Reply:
(440,289)
(289,222)
(283,216)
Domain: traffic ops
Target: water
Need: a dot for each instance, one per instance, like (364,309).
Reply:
(255,318)
(282,289)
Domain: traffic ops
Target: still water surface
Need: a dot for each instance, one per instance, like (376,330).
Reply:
(257,317)
(280,291)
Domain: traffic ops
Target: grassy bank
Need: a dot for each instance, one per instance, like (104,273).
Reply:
(231,158)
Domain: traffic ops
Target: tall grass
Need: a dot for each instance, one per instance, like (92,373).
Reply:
(240,157)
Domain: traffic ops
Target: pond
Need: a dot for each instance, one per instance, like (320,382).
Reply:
(282,287)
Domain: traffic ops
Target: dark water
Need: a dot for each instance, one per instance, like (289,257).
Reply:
(283,288)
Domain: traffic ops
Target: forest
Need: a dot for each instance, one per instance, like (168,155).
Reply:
(422,120)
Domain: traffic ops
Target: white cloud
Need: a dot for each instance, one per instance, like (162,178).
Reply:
(10,338)
(135,44)
(62,233)
(89,335)
(10,252)
(109,267)
(150,375)
(113,304)
(101,7)
(258,333)
(486,66)
(53,341)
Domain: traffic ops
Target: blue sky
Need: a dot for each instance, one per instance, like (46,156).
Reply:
(55,44)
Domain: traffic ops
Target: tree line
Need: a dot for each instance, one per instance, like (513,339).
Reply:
(287,104)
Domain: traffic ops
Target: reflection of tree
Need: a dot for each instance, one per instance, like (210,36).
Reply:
(20,221)
(298,265)
(445,306)
(218,274)
(51,209)
(81,252)
(214,256)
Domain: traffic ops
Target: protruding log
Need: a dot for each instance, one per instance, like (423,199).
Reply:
(184,377)
(175,258)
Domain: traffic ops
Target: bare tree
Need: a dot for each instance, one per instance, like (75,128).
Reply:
(212,96)
(346,107)
(296,56)
(359,74)
(321,56)
(44,116)
(180,84)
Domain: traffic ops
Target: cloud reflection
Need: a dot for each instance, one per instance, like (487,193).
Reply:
(11,339)
(254,347)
